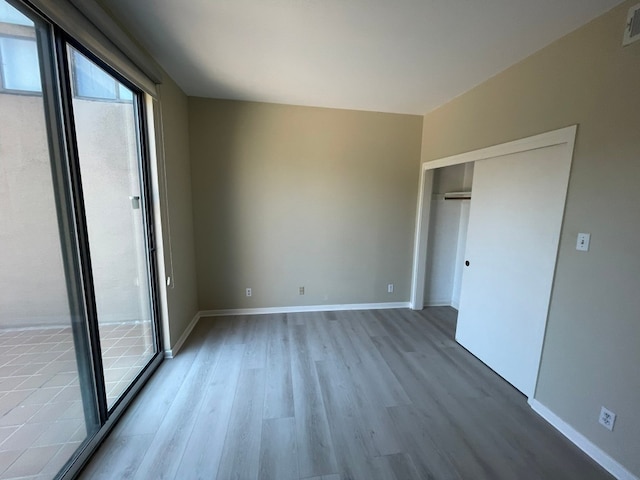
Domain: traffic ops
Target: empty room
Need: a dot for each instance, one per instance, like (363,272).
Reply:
(319,240)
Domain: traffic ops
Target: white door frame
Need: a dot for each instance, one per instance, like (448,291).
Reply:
(561,136)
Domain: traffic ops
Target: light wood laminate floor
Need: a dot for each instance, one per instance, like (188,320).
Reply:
(384,394)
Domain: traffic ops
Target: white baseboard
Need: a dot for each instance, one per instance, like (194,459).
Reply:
(586,445)
(171,352)
(302,308)
(438,304)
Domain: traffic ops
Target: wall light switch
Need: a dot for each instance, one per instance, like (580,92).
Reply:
(583,242)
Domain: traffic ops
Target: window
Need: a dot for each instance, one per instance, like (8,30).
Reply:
(20,72)
(91,82)
(8,14)
(19,60)
(19,68)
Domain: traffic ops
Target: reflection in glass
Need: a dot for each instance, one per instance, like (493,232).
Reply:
(9,14)
(20,70)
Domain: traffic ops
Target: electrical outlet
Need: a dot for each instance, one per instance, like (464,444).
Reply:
(390,288)
(607,418)
(248,292)
(301,290)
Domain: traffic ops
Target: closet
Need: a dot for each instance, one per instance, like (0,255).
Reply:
(487,237)
(450,204)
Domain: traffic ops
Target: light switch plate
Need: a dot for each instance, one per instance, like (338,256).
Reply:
(583,242)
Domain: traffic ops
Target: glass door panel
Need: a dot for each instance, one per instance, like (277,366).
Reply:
(47,393)
(106,122)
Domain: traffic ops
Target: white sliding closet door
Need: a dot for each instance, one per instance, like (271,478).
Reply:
(512,243)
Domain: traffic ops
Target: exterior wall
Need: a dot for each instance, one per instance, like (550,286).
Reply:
(289,196)
(32,283)
(107,149)
(591,353)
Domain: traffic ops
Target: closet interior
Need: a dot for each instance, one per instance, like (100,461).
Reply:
(450,206)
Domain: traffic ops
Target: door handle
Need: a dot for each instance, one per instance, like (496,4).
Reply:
(135,201)
(466,262)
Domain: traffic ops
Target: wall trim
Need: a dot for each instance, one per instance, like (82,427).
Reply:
(582,442)
(172,352)
(302,309)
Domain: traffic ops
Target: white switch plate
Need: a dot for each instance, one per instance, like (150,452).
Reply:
(583,242)
(390,288)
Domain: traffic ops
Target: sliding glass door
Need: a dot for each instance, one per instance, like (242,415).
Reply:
(109,154)
(48,402)
(78,322)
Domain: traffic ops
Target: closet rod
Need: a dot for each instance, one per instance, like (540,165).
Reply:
(457,196)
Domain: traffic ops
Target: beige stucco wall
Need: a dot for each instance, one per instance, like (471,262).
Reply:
(32,279)
(108,157)
(290,196)
(592,347)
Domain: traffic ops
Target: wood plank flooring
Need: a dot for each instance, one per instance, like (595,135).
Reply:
(384,394)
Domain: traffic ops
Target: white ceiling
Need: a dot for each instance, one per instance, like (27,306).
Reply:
(403,56)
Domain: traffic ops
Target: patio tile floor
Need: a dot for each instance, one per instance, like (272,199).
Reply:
(41,413)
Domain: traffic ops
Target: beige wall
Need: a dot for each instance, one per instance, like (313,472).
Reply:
(30,253)
(108,158)
(295,196)
(177,214)
(592,348)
